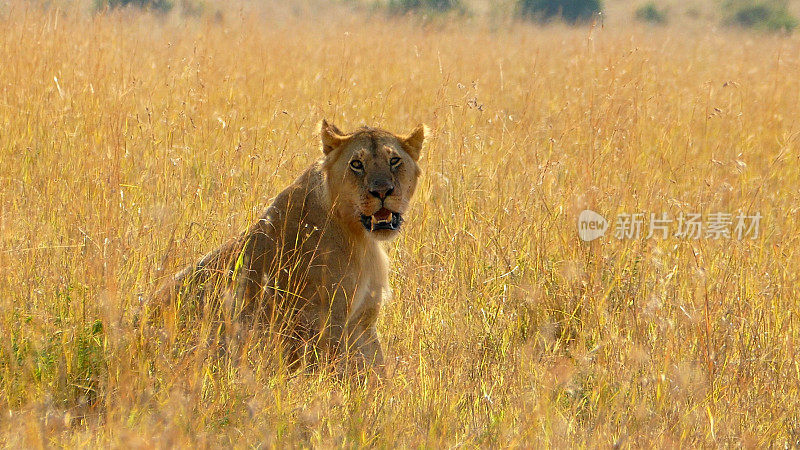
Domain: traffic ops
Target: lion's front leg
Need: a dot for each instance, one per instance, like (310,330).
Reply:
(365,351)
(349,337)
(369,347)
(330,322)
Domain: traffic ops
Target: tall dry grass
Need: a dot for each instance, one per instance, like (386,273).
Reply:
(131,143)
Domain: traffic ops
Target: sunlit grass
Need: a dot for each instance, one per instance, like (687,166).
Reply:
(131,143)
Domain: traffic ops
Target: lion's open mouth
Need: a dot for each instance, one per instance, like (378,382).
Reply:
(383,219)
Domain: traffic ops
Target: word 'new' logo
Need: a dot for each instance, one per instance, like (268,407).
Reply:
(591,225)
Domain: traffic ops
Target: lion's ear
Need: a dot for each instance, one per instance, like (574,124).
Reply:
(331,137)
(413,141)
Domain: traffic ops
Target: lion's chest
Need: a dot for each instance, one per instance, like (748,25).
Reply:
(370,282)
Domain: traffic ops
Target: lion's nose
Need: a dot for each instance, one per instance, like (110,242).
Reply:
(381,190)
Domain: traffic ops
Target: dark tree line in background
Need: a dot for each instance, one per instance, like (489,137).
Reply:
(767,15)
(155,5)
(571,11)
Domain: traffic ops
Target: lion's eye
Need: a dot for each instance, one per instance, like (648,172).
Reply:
(356,165)
(394,161)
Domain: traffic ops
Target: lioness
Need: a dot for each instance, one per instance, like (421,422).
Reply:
(311,268)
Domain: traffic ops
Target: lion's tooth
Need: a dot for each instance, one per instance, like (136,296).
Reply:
(374,221)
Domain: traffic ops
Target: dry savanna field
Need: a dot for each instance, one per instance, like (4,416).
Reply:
(132,143)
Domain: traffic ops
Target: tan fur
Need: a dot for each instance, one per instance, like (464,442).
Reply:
(309,269)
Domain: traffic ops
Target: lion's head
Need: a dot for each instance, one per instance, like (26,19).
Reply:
(371,176)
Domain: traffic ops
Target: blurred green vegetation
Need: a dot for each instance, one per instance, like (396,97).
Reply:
(571,11)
